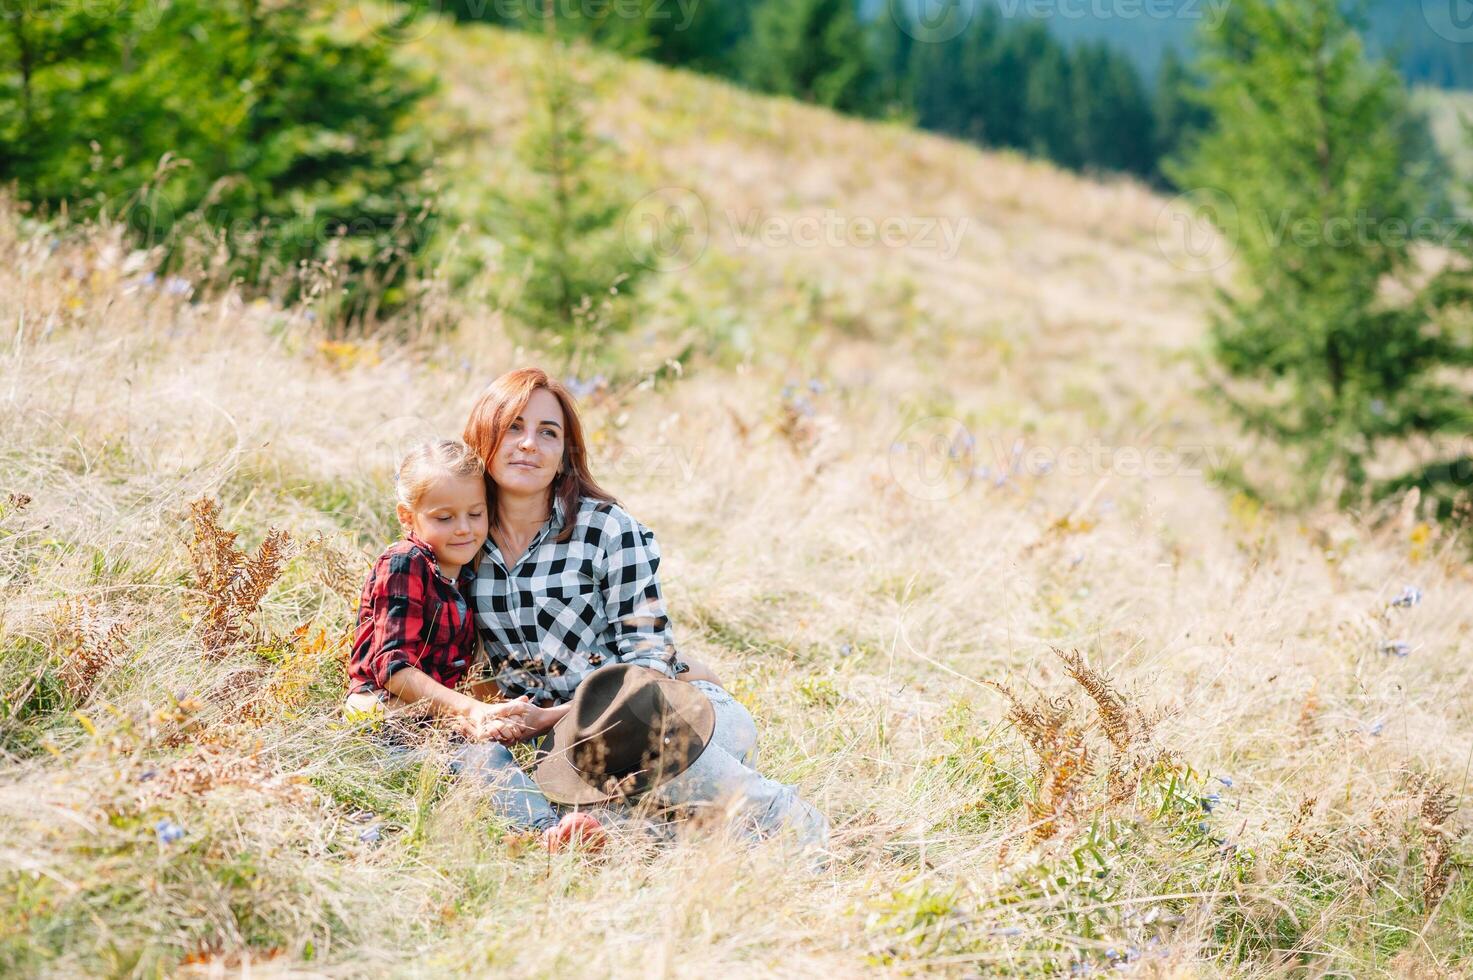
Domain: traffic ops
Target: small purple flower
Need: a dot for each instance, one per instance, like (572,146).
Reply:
(168,831)
(846,650)
(177,286)
(1397,648)
(147,774)
(1410,596)
(1376,728)
(370,835)
(1225,780)
(816,386)
(1211,801)
(149,278)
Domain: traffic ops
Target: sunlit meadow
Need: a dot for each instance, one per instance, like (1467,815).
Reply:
(939,508)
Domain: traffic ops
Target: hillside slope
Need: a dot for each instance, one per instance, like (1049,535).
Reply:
(890,474)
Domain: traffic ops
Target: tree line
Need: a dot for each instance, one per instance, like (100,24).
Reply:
(999,82)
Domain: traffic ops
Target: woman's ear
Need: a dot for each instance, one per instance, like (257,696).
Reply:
(406,517)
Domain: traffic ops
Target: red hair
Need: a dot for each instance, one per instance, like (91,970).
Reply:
(491,418)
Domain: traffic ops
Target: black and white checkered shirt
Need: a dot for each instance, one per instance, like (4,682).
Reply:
(568,608)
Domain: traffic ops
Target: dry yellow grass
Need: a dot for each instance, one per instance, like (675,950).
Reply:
(1004,453)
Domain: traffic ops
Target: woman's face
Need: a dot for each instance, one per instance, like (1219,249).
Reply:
(528,458)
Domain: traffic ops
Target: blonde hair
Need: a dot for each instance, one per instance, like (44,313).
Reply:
(430,460)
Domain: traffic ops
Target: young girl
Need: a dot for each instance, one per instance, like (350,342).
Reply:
(416,638)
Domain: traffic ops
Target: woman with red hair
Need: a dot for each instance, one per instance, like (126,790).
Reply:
(568,583)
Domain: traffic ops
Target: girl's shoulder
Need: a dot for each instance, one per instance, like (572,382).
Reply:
(404,557)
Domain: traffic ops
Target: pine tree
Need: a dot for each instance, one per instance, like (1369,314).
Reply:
(814,50)
(939,83)
(287,143)
(1049,105)
(702,36)
(563,231)
(1180,115)
(1330,343)
(1115,126)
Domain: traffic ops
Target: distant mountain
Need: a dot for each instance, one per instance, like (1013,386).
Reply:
(1430,40)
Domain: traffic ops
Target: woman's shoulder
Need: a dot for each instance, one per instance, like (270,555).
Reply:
(610,521)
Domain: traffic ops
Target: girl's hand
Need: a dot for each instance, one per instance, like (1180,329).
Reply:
(501,722)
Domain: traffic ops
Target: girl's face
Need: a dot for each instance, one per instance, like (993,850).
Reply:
(451,519)
(528,458)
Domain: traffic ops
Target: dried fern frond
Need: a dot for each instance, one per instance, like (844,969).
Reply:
(210,768)
(341,571)
(231,584)
(1437,807)
(212,551)
(1038,723)
(88,644)
(1064,759)
(1065,767)
(1113,710)
(288,689)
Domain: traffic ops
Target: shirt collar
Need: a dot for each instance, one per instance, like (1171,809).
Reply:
(554,524)
(467,570)
(559,514)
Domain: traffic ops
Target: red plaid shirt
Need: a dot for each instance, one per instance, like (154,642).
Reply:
(412,616)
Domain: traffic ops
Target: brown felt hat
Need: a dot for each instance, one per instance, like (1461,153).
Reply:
(630,729)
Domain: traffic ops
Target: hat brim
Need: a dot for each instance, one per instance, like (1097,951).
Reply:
(560,782)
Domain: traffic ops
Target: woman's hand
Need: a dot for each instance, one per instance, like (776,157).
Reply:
(503,721)
(540,720)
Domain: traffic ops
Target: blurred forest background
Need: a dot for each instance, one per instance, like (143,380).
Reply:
(862,282)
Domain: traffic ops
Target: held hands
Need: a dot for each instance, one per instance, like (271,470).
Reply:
(504,721)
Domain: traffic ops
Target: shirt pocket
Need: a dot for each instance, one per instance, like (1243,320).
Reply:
(581,598)
(569,622)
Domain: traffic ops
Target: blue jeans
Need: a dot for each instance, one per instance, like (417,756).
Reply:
(722,777)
